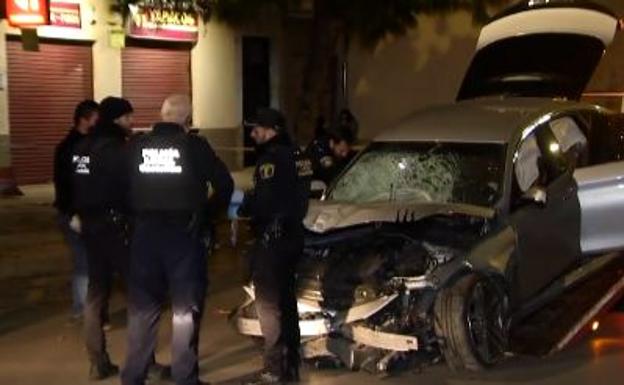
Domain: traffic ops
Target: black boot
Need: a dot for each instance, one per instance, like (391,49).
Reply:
(290,366)
(102,368)
(291,374)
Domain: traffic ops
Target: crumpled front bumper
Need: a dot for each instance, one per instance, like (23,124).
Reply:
(318,322)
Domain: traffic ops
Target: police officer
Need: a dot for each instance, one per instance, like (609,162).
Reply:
(85,117)
(99,184)
(277,206)
(330,154)
(348,121)
(170,170)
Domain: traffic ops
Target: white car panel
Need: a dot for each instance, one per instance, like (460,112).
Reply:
(601,195)
(577,21)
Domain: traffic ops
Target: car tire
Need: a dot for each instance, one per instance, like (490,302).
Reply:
(471,323)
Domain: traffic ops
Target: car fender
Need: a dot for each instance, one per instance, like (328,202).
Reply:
(491,257)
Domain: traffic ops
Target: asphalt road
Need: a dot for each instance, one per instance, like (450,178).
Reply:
(37,346)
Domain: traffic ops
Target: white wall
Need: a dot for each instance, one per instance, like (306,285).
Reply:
(402,75)
(106,59)
(216,78)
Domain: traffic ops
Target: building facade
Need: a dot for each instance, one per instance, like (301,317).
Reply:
(91,53)
(228,72)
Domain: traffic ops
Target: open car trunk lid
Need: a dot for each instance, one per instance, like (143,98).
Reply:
(540,48)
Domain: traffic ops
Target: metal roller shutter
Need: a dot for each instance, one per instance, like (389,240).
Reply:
(150,75)
(44,88)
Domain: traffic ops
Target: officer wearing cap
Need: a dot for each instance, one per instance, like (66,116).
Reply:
(330,154)
(99,185)
(277,206)
(170,170)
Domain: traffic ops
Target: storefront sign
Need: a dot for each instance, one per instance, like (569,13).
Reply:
(64,14)
(27,13)
(162,24)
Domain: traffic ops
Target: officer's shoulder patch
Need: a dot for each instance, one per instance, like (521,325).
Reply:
(266,170)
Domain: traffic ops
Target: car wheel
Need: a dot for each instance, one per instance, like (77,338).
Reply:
(471,323)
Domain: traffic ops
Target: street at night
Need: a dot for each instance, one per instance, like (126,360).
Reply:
(283,192)
(38,345)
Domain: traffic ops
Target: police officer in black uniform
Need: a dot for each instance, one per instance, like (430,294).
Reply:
(99,183)
(330,154)
(85,117)
(277,206)
(170,170)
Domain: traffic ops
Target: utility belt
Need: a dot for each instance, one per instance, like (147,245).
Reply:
(278,229)
(115,218)
(193,222)
(110,214)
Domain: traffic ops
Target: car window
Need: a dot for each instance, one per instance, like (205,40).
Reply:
(538,162)
(527,170)
(437,172)
(572,141)
(606,138)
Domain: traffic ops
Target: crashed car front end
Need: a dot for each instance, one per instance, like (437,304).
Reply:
(405,255)
(366,291)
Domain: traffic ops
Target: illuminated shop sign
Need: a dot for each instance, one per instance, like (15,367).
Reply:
(64,14)
(162,24)
(27,13)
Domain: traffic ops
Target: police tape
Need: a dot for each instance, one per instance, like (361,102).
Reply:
(606,94)
(47,147)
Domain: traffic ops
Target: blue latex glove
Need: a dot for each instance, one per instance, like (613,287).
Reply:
(235,203)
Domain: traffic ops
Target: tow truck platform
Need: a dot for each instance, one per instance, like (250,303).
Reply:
(586,296)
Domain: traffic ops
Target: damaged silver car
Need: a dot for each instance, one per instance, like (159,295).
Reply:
(450,229)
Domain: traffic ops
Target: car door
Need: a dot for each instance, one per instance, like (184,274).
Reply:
(600,185)
(548,232)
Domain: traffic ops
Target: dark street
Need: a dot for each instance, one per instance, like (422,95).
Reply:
(37,345)
(387,192)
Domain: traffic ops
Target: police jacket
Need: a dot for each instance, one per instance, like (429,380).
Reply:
(170,171)
(281,185)
(63,170)
(325,166)
(99,179)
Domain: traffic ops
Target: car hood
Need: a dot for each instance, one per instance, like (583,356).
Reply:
(540,48)
(326,216)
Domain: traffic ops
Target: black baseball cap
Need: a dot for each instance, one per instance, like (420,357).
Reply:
(269,117)
(113,107)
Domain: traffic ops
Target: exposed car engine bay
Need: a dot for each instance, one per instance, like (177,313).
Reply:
(355,267)
(365,294)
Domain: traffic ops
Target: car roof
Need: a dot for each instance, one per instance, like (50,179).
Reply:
(485,120)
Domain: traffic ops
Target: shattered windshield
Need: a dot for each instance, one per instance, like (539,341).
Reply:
(424,172)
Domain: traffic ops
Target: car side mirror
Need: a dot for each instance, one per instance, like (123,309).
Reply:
(537,195)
